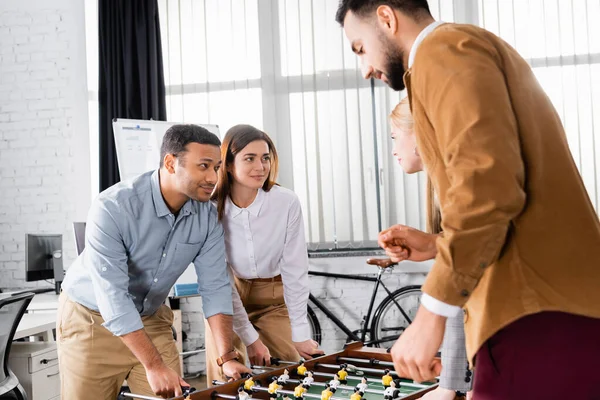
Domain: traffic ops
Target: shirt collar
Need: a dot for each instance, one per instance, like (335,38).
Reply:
(413,50)
(159,202)
(253,208)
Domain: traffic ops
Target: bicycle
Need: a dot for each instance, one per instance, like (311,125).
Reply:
(391,317)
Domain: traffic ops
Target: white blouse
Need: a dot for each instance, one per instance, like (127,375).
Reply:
(265,240)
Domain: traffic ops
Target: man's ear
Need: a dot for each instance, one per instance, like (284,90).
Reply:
(169,163)
(386,18)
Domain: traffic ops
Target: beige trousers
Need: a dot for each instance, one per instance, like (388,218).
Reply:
(263,301)
(93,363)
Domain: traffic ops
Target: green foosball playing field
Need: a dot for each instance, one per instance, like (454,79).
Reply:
(284,380)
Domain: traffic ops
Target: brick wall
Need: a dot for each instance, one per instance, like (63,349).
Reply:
(44,144)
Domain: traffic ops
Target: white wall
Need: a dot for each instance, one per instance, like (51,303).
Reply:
(44,141)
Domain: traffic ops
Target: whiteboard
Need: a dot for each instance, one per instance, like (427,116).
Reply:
(138,142)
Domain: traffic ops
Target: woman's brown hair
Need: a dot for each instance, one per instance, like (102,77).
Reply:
(401,118)
(235,140)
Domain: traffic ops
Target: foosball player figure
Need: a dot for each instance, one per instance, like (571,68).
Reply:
(327,393)
(242,394)
(273,387)
(386,379)
(299,392)
(301,370)
(283,378)
(334,383)
(391,392)
(249,384)
(306,382)
(356,395)
(362,386)
(342,374)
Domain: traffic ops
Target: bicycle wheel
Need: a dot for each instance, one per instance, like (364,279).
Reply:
(315,327)
(394,314)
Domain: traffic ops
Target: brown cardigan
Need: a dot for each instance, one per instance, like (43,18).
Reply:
(520,233)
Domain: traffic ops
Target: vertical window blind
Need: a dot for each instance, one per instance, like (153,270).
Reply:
(285,66)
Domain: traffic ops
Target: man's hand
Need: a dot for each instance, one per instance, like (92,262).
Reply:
(402,242)
(164,381)
(308,348)
(414,351)
(259,354)
(234,370)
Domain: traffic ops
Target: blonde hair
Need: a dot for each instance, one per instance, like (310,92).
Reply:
(401,118)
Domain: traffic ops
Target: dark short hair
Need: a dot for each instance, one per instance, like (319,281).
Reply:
(177,137)
(413,8)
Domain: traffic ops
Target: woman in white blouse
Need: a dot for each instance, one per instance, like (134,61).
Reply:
(266,253)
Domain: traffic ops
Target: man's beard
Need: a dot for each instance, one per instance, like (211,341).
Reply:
(394,71)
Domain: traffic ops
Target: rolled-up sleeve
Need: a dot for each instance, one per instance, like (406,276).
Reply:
(211,268)
(294,273)
(463,91)
(106,258)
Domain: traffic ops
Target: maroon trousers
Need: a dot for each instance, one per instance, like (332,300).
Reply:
(545,356)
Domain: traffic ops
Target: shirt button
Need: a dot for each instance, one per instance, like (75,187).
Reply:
(145,299)
(104,269)
(164,254)
(155,280)
(464,293)
(482,265)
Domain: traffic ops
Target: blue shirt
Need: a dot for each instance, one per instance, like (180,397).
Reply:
(135,249)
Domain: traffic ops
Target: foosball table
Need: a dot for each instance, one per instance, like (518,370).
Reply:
(355,373)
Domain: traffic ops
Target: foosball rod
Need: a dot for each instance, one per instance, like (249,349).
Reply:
(371,361)
(354,368)
(344,387)
(264,389)
(140,396)
(358,378)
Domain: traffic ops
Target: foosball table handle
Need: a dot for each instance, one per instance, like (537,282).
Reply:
(187,390)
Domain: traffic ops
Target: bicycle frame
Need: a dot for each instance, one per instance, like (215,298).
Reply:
(367,318)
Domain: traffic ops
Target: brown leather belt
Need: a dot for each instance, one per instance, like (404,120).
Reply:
(273,279)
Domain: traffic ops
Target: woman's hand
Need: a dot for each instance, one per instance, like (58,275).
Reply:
(308,348)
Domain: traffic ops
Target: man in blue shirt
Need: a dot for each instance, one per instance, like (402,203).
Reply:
(141,235)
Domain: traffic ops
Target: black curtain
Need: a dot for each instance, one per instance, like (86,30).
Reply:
(131,72)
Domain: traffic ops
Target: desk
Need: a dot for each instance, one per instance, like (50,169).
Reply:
(43,302)
(37,324)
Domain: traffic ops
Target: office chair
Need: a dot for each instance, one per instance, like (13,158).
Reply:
(79,231)
(12,309)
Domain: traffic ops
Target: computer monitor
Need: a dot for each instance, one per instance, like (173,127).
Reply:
(43,258)
(79,231)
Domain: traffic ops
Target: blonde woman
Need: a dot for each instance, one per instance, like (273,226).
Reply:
(266,253)
(455,376)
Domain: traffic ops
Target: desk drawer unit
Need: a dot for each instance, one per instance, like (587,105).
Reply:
(36,366)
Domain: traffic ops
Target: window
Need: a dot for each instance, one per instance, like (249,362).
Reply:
(286,67)
(558,39)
